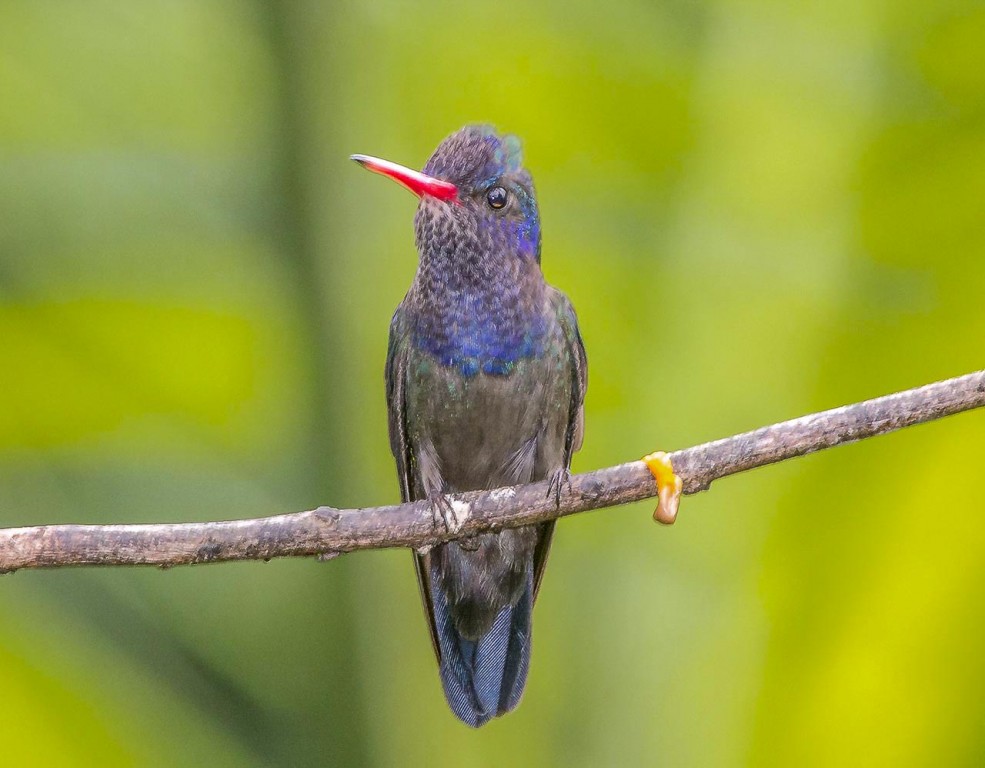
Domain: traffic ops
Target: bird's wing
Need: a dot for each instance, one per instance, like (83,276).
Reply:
(396,382)
(577,364)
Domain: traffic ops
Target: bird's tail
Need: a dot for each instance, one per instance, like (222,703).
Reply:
(485,678)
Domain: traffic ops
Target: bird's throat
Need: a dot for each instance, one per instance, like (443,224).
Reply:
(479,327)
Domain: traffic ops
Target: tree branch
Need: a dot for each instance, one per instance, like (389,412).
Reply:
(328,532)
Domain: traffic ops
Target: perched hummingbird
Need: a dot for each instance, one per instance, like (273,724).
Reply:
(485,384)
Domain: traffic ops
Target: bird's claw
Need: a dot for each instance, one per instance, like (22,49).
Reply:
(558,480)
(443,512)
(669,486)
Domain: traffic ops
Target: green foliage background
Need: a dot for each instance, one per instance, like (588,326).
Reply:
(760,209)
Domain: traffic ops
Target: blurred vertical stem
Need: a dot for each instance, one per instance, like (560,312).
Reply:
(295,32)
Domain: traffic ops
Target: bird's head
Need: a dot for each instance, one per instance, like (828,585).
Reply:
(476,198)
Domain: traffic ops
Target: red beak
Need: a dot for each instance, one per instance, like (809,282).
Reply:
(418,183)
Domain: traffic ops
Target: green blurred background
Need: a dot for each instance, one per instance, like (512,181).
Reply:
(759,209)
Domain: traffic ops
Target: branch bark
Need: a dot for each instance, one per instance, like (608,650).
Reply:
(327,531)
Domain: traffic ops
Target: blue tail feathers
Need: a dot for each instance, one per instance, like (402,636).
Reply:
(484,679)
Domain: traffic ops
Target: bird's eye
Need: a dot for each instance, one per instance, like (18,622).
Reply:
(497,197)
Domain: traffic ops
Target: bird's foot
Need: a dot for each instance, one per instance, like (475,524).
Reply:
(447,512)
(669,487)
(559,479)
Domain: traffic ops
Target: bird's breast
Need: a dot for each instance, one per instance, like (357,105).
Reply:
(488,429)
(480,335)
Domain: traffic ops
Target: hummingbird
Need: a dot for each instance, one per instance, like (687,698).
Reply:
(485,387)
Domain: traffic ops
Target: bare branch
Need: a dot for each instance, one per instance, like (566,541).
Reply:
(328,531)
